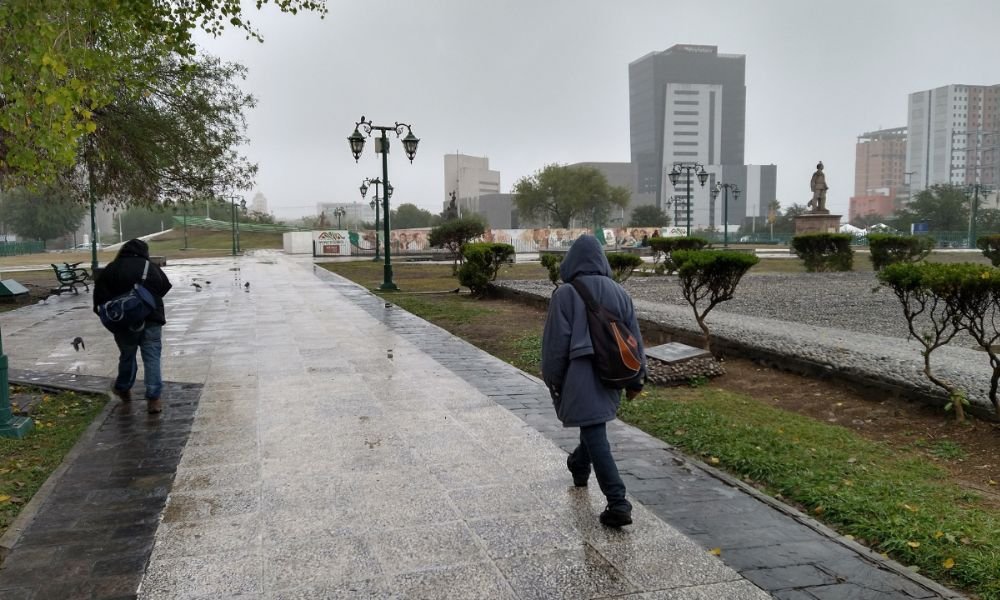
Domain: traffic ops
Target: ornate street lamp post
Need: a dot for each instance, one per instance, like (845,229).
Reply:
(725,188)
(687,168)
(338,212)
(357,142)
(11,426)
(235,226)
(374,203)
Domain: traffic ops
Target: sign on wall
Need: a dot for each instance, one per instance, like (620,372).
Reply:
(331,243)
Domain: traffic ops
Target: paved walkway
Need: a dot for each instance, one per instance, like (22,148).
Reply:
(344,448)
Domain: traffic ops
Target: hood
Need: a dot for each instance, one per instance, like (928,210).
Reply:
(585,257)
(135,247)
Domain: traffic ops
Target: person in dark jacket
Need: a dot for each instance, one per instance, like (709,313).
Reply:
(117,278)
(580,398)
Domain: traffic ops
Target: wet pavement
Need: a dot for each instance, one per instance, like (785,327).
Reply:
(341,447)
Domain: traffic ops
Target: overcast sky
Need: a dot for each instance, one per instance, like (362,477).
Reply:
(532,82)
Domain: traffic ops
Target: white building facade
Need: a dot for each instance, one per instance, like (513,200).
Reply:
(469,177)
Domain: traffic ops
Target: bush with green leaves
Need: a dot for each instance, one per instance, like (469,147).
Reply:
(939,301)
(454,234)
(623,264)
(887,249)
(481,265)
(552,262)
(990,245)
(708,278)
(664,247)
(824,251)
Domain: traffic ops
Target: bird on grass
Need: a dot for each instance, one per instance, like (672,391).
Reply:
(207,282)
(246,286)
(78,343)
(196,287)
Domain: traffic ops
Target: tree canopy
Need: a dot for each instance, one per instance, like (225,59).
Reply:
(65,60)
(649,216)
(945,207)
(563,193)
(407,216)
(41,215)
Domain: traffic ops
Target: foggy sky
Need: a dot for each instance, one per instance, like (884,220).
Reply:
(532,82)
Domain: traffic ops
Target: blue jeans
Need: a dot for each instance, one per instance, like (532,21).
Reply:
(595,450)
(149,343)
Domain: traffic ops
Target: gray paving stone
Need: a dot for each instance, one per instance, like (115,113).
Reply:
(782,578)
(580,572)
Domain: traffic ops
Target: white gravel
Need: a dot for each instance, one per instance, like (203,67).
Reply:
(834,320)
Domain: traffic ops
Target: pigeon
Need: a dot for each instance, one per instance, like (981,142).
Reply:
(207,282)
(246,286)
(196,287)
(78,343)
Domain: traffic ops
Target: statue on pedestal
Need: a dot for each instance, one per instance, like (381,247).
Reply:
(818,186)
(452,211)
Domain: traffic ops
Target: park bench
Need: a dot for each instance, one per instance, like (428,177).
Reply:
(69,276)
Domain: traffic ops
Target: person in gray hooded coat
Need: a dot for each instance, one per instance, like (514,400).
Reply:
(580,398)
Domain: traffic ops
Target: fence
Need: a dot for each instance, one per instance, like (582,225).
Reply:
(19,248)
(220,225)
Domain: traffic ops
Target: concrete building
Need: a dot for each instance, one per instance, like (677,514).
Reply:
(953,136)
(259,203)
(497,210)
(469,177)
(355,213)
(880,181)
(688,104)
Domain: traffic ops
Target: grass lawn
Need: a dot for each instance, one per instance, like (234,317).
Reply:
(25,464)
(896,497)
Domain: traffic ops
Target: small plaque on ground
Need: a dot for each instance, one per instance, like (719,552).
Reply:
(675,352)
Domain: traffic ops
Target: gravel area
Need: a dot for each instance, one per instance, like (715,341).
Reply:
(832,320)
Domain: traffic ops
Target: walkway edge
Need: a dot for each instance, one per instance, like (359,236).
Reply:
(28,513)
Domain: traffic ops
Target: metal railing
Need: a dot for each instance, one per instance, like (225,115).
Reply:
(19,248)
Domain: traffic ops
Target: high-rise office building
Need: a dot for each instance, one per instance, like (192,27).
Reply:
(879,173)
(953,136)
(469,177)
(259,203)
(686,104)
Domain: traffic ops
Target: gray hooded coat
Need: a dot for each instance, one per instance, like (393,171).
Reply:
(579,397)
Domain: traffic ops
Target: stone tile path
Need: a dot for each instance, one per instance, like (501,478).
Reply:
(343,448)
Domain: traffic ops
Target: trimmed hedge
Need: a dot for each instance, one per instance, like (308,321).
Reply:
(887,249)
(990,245)
(824,251)
(709,277)
(481,265)
(623,264)
(552,262)
(663,248)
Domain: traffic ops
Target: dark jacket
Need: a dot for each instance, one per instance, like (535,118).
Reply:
(125,271)
(579,396)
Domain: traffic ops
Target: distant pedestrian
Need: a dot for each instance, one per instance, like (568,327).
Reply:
(580,398)
(117,278)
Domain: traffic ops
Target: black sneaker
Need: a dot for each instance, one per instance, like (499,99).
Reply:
(612,517)
(578,480)
(123,395)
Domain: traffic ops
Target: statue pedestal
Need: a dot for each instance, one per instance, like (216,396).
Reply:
(817,222)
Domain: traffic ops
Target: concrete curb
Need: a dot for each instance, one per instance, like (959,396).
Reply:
(28,513)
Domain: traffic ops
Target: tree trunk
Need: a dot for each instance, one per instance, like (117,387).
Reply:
(956,402)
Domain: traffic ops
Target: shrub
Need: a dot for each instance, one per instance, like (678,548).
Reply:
(663,249)
(623,264)
(710,276)
(552,262)
(481,265)
(990,245)
(824,251)
(454,234)
(889,249)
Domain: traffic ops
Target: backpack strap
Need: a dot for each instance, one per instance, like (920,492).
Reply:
(585,294)
(145,271)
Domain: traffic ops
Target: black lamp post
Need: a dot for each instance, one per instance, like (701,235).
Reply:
(338,212)
(357,142)
(725,188)
(235,223)
(687,168)
(374,203)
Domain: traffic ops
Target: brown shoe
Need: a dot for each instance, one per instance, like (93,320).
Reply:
(153,406)
(123,395)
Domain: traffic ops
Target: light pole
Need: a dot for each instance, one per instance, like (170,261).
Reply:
(687,168)
(235,226)
(357,142)
(725,188)
(973,190)
(374,203)
(11,426)
(338,212)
